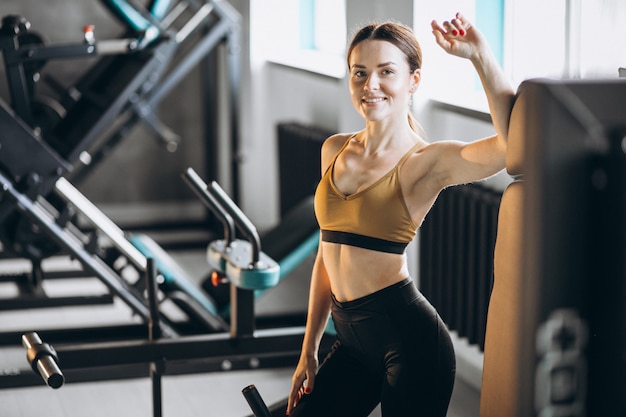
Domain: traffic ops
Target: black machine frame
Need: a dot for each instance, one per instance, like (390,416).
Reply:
(572,328)
(36,161)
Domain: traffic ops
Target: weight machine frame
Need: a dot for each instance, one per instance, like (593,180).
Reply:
(33,162)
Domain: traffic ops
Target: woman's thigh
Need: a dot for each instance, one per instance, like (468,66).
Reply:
(420,369)
(343,388)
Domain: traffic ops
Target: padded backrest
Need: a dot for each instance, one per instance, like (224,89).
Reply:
(515,139)
(501,369)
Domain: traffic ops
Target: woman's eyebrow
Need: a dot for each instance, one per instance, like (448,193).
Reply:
(384,64)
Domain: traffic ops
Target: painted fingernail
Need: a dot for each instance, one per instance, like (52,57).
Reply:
(307,390)
(455,32)
(462,32)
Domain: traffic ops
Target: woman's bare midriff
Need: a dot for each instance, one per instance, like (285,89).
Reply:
(355,272)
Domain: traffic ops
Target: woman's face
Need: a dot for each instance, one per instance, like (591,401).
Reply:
(380,80)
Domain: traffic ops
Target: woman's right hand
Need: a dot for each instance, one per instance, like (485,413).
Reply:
(459,37)
(303,380)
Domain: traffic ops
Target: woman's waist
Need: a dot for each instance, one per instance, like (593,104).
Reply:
(356,272)
(382,301)
(351,287)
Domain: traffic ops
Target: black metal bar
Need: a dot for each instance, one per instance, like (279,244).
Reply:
(233,45)
(221,345)
(42,53)
(190,61)
(241,311)
(200,188)
(154,333)
(256,403)
(154,324)
(24,377)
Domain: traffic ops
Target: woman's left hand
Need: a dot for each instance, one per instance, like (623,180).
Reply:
(458,37)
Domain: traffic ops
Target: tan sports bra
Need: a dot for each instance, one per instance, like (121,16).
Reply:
(374,218)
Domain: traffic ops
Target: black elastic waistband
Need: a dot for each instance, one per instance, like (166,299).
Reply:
(396,295)
(365,242)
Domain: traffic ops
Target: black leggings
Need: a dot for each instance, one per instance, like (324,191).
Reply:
(392,349)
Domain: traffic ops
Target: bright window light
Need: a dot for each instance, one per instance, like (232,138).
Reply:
(531,38)
(306,34)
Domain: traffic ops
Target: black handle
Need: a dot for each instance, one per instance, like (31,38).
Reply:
(241,220)
(200,188)
(257,405)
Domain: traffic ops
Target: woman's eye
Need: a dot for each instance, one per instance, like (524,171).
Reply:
(387,72)
(359,74)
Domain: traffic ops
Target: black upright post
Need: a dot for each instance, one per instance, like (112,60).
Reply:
(154,333)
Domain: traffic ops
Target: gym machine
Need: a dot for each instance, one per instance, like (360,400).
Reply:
(45,140)
(45,362)
(556,332)
(117,258)
(244,266)
(123,87)
(240,262)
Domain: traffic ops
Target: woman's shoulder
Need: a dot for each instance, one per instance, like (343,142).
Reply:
(332,146)
(339,139)
(334,143)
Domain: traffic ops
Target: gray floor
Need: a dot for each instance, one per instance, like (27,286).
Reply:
(198,395)
(202,395)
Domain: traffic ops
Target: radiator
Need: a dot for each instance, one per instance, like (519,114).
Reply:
(299,152)
(456,244)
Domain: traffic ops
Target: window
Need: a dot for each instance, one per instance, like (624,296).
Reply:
(569,39)
(447,78)
(531,38)
(307,34)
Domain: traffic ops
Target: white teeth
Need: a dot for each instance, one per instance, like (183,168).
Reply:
(373,100)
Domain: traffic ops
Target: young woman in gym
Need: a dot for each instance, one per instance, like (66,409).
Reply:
(377,186)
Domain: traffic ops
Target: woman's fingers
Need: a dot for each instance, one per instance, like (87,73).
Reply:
(451,28)
(302,384)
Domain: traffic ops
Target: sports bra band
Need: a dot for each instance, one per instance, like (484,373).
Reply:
(366,242)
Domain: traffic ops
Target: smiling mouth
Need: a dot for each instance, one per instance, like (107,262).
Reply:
(373,100)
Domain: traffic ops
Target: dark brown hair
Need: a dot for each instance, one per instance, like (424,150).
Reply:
(403,38)
(395,33)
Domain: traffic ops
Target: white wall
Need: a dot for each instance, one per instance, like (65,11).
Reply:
(275,93)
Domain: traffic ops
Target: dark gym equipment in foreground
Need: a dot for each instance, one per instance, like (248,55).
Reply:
(556,331)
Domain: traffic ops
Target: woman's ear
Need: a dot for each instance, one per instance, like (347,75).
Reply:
(416,77)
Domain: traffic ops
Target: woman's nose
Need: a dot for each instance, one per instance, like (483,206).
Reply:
(372,82)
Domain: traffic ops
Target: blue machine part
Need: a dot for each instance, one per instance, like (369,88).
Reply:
(174,277)
(135,20)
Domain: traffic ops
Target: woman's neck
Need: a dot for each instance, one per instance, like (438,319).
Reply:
(379,136)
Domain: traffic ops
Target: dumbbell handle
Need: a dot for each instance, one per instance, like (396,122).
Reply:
(257,405)
(43,359)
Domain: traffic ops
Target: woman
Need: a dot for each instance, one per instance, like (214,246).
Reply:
(377,186)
